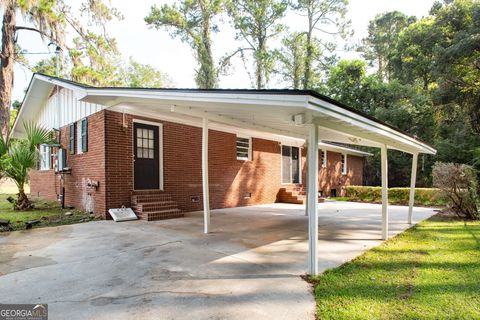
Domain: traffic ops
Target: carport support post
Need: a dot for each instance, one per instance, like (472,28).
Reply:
(312,191)
(412,187)
(384,161)
(206,200)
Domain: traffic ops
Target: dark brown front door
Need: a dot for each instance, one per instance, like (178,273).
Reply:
(147,164)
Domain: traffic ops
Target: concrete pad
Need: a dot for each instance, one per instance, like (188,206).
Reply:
(249,267)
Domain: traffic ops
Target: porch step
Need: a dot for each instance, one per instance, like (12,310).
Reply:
(155,205)
(161,214)
(150,197)
(294,194)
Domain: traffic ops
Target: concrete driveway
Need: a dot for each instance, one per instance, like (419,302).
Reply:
(249,267)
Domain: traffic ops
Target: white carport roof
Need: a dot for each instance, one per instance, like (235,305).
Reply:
(268,111)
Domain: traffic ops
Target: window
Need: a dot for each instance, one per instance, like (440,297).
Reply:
(244,148)
(344,164)
(145,143)
(45,157)
(324,158)
(71,142)
(82,136)
(61,163)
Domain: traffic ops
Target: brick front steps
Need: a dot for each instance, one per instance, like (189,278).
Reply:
(294,194)
(155,205)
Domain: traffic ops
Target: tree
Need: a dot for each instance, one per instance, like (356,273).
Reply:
(257,21)
(397,104)
(138,75)
(457,59)
(326,17)
(192,21)
(45,21)
(383,31)
(291,59)
(18,156)
(414,57)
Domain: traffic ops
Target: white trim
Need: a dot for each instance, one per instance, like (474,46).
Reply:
(205,186)
(244,132)
(413,179)
(291,167)
(344,115)
(250,147)
(331,116)
(332,147)
(45,157)
(384,168)
(160,150)
(312,191)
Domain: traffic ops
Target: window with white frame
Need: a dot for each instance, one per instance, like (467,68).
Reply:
(244,148)
(344,164)
(324,158)
(45,157)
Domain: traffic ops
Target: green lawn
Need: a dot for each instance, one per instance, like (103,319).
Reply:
(48,212)
(431,271)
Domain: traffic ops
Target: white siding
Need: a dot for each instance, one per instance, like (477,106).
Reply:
(71,110)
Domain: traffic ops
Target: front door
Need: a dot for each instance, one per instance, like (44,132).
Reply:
(290,164)
(146,160)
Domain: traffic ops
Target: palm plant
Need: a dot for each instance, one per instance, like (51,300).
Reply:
(18,156)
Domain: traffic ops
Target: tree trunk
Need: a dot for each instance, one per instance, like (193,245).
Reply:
(23,203)
(6,68)
(309,53)
(260,68)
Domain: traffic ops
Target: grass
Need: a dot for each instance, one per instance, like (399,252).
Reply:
(48,212)
(431,271)
(339,198)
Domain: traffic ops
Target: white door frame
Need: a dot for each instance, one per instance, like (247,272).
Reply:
(291,167)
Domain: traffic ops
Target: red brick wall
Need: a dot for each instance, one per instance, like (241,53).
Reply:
(43,184)
(331,177)
(86,166)
(230,178)
(109,161)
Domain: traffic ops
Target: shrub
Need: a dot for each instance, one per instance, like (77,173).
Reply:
(459,183)
(400,196)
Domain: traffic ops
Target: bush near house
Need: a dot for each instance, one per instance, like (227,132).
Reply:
(459,184)
(399,196)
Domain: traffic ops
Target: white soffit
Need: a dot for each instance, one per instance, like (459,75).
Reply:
(269,111)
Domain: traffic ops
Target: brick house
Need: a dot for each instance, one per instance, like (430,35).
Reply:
(168,151)
(113,159)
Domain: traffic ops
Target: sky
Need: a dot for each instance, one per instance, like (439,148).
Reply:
(157,48)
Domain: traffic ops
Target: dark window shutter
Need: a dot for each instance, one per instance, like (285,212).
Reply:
(84,135)
(71,145)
